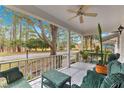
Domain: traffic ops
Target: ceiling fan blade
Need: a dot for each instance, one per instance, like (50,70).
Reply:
(90,14)
(71,11)
(81,19)
(72,17)
(84,7)
(114,32)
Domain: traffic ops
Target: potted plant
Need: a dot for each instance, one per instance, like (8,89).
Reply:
(101,66)
(97,49)
(84,55)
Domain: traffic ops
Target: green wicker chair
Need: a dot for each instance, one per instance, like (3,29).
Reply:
(94,80)
(15,78)
(115,77)
(113,81)
(91,80)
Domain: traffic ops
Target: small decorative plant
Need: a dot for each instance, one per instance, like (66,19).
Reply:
(97,49)
(84,55)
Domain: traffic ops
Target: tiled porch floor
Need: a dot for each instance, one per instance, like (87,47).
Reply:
(77,71)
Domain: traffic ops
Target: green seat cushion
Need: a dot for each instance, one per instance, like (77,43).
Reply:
(21,83)
(92,80)
(114,80)
(12,75)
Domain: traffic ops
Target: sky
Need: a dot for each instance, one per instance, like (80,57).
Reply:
(105,34)
(6,16)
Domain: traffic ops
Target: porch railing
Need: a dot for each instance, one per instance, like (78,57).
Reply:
(34,67)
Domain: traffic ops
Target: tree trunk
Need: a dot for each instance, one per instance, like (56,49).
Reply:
(20,37)
(52,51)
(18,49)
(42,49)
(26,34)
(11,30)
(14,37)
(2,49)
(35,49)
(54,37)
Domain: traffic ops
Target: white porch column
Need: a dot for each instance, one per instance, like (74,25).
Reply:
(116,48)
(121,50)
(118,43)
(68,48)
(81,47)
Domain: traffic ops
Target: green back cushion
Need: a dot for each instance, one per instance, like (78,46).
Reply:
(114,67)
(122,68)
(92,80)
(114,80)
(12,75)
(117,56)
(112,57)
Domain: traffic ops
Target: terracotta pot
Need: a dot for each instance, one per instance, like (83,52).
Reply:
(101,69)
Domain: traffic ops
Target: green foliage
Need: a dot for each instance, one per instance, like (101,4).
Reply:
(36,43)
(61,48)
(84,54)
(16,42)
(97,49)
(31,43)
(72,46)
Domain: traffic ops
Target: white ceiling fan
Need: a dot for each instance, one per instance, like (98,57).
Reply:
(81,12)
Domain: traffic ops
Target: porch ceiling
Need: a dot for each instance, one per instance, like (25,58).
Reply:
(110,16)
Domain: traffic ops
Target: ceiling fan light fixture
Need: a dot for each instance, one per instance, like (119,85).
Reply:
(81,13)
(120,28)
